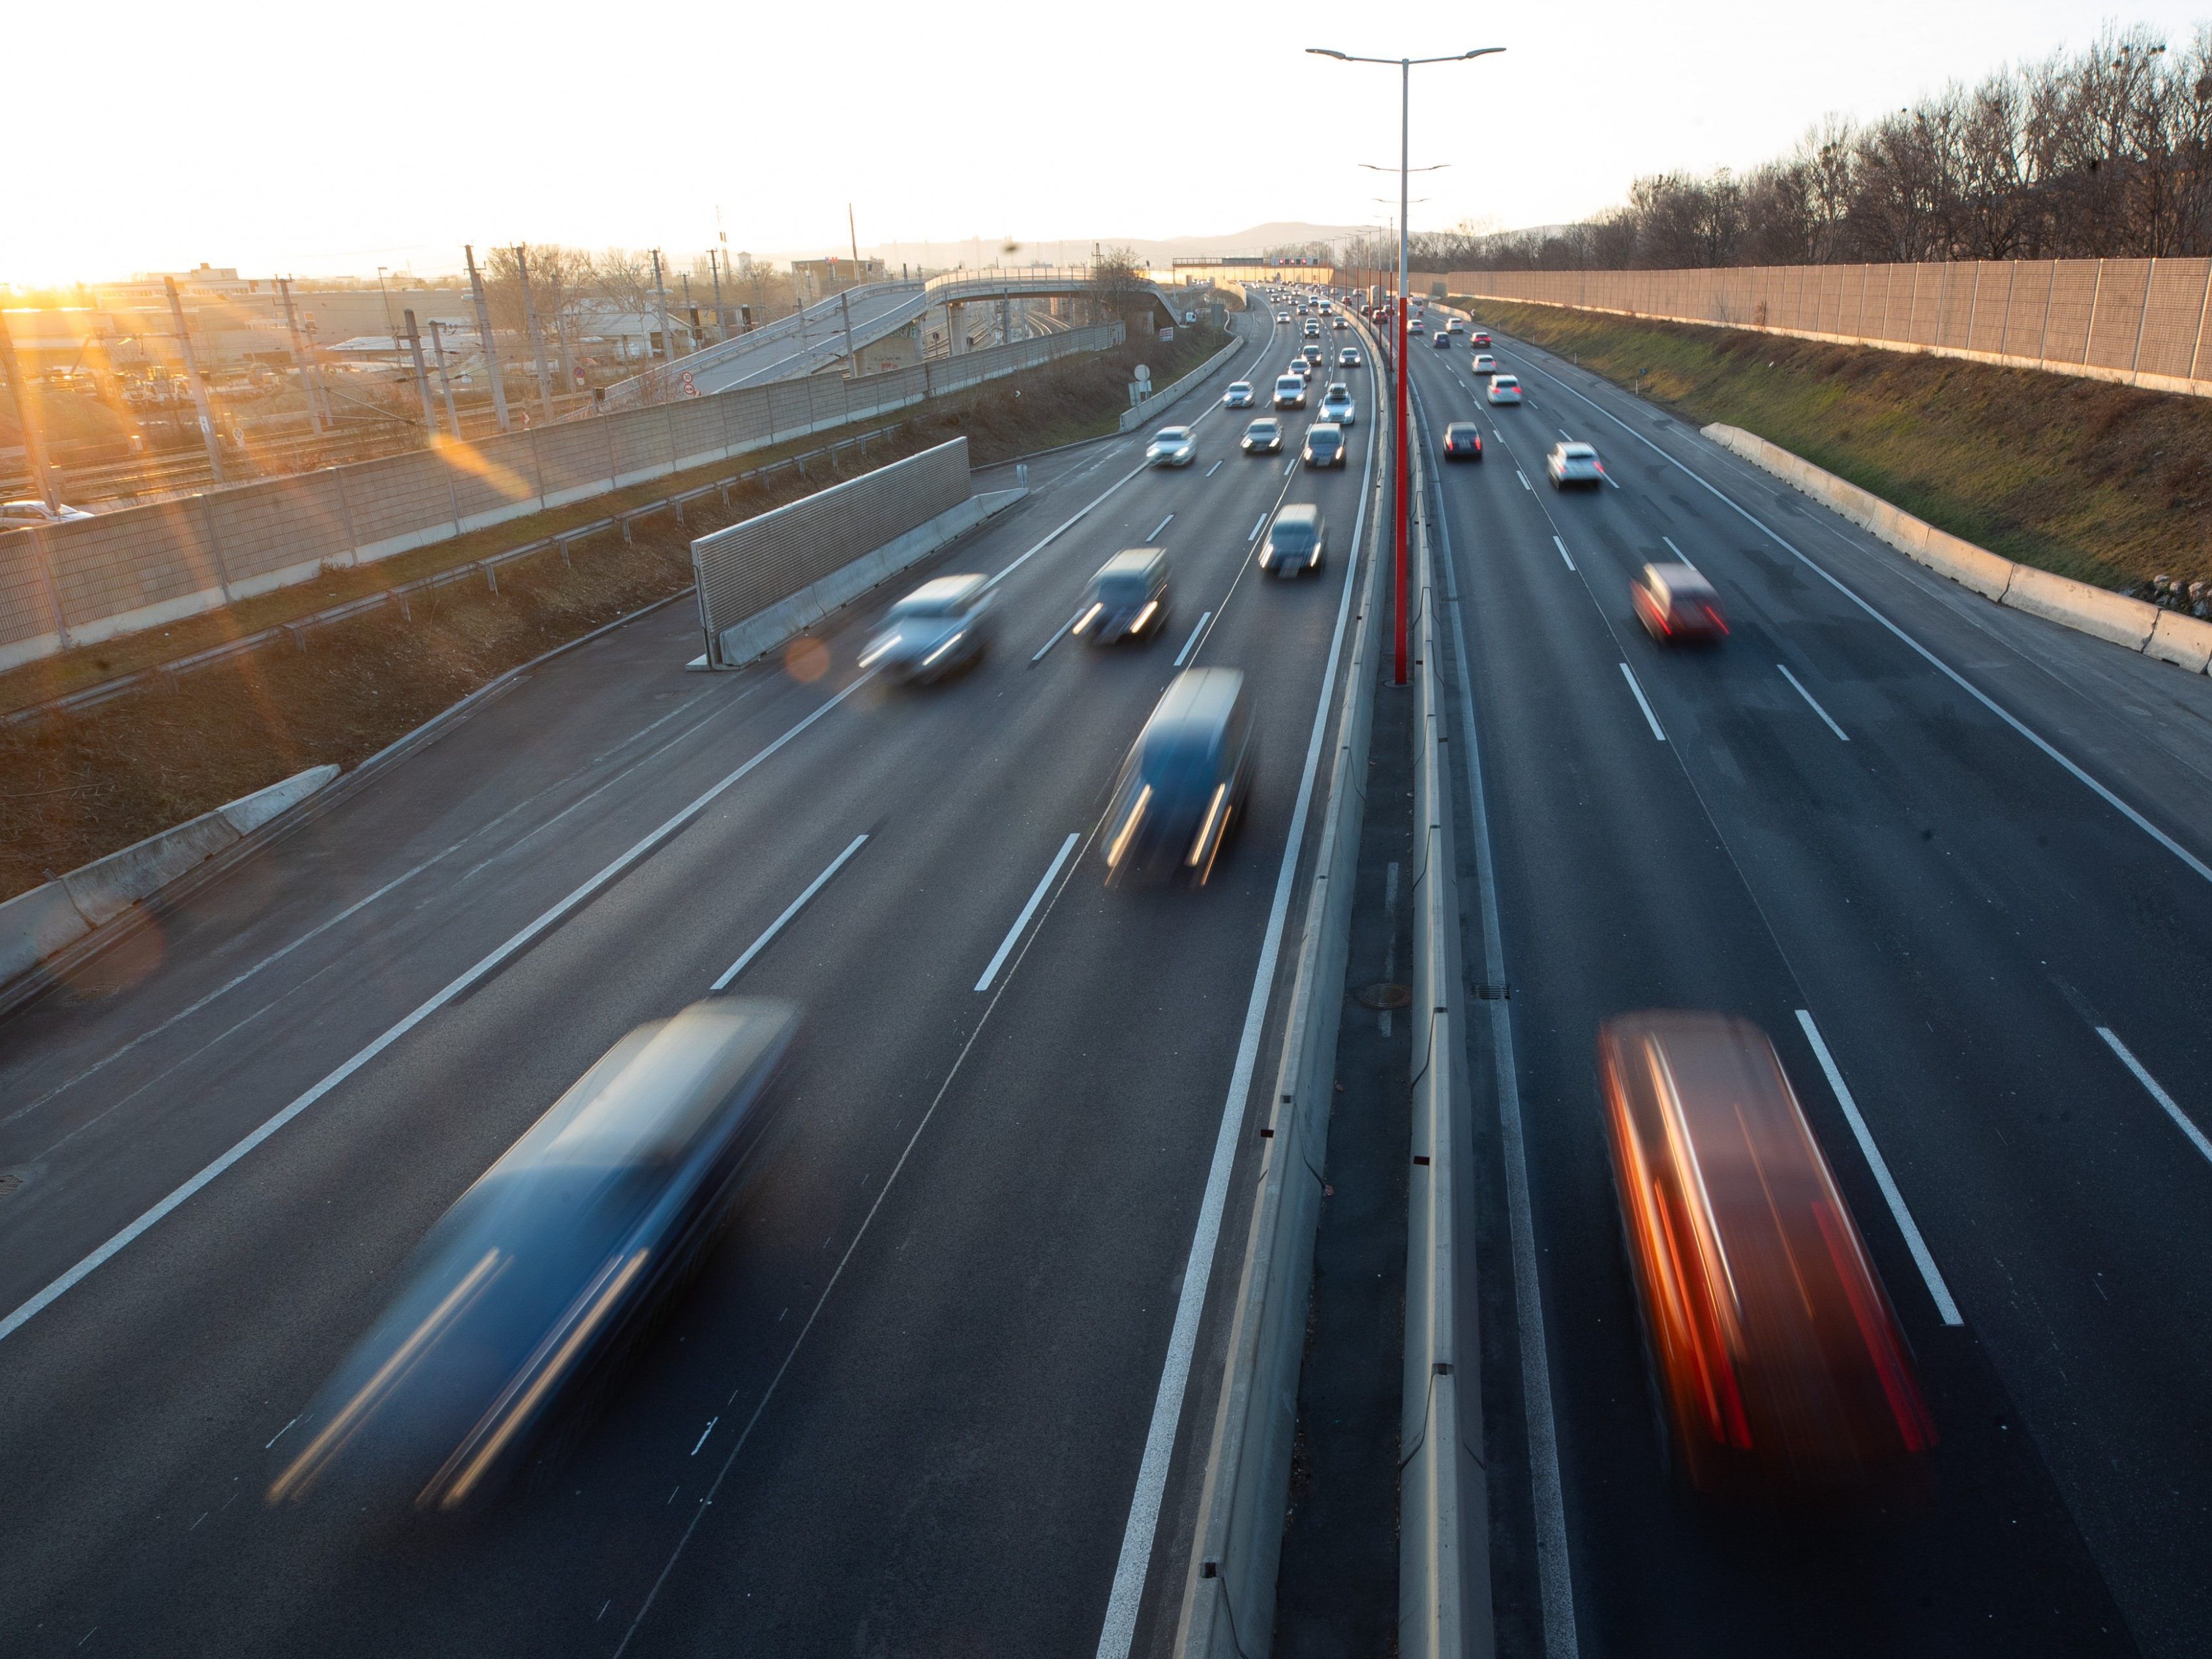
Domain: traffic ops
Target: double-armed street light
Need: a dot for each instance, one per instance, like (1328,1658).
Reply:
(1406,67)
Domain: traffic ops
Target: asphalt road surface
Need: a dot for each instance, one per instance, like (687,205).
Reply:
(903,1408)
(1966,853)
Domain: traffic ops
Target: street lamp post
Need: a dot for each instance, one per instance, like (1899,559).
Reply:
(1401,463)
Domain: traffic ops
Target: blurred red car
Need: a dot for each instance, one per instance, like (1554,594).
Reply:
(1678,606)
(1777,1354)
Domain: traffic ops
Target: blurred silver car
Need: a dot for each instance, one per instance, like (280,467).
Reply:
(1570,464)
(1325,445)
(942,625)
(1263,437)
(524,1296)
(1290,390)
(1171,445)
(1239,395)
(34,514)
(1128,597)
(1295,542)
(1336,404)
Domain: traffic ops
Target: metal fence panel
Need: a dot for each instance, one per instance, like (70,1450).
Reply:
(2119,322)
(2175,308)
(745,569)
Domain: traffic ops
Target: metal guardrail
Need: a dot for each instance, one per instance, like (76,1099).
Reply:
(1443,1559)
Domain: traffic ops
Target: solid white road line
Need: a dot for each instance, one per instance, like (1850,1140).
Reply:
(1054,640)
(1119,1630)
(1554,1576)
(1629,674)
(790,910)
(620,865)
(1258,525)
(2195,864)
(1014,932)
(1562,546)
(1158,527)
(1807,695)
(1191,644)
(1895,1199)
(1215,468)
(1065,526)
(2166,1101)
(1675,550)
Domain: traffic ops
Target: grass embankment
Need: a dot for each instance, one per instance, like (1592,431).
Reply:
(2101,483)
(74,787)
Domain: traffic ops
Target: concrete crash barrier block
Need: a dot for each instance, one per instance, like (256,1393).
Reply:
(2089,609)
(1988,574)
(2181,640)
(249,812)
(106,888)
(35,924)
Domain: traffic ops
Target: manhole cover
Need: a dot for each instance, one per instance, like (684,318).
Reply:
(1384,994)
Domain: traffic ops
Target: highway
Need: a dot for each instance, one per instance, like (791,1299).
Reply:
(904,1407)
(1954,860)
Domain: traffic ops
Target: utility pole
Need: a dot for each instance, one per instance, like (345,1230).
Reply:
(660,299)
(422,379)
(537,338)
(845,300)
(29,416)
(206,410)
(310,385)
(721,317)
(490,352)
(853,231)
(691,315)
(445,378)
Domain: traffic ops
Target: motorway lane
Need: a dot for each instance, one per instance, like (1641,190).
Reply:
(1956,909)
(1019,1276)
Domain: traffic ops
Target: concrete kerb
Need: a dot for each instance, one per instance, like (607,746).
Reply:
(1444,1570)
(2135,624)
(1229,1592)
(72,913)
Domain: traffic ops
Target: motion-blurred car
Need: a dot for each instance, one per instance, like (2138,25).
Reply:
(1127,598)
(1290,391)
(1456,325)
(1678,606)
(36,514)
(1504,389)
(1572,466)
(1239,395)
(1171,445)
(1295,542)
(1312,355)
(1338,325)
(1302,369)
(1263,437)
(1417,326)
(1336,404)
(942,626)
(1184,790)
(1462,441)
(1777,1354)
(1282,316)
(1313,328)
(1484,363)
(1441,341)
(1348,358)
(1325,445)
(1479,337)
(523,1297)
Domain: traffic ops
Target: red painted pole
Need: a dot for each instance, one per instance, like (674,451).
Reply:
(1402,465)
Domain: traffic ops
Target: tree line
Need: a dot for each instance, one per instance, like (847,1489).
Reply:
(2103,153)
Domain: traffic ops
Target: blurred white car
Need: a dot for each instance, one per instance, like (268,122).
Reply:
(1571,464)
(23,515)
(1336,405)
(1171,445)
(1504,389)
(1485,363)
(1239,395)
(1290,391)
(942,625)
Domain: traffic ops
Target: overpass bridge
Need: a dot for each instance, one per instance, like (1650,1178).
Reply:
(838,329)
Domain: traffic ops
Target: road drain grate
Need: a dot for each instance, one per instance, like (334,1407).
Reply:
(1385,993)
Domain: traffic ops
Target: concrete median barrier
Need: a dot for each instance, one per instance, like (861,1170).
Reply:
(37,927)
(2135,624)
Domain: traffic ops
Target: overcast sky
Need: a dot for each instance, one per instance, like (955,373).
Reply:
(324,139)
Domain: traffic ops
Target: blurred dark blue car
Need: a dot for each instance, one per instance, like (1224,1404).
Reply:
(522,1296)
